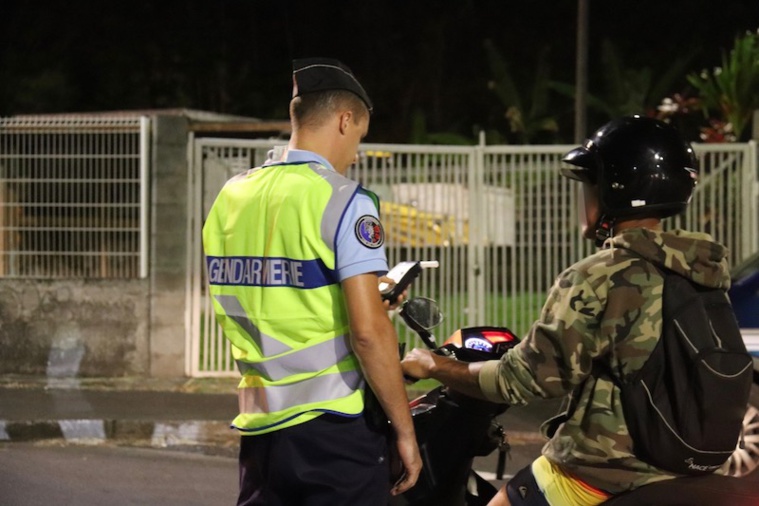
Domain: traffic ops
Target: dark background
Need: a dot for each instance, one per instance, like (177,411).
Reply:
(423,61)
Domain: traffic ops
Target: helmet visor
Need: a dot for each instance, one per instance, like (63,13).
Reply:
(582,165)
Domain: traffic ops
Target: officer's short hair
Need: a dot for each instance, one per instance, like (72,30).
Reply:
(312,109)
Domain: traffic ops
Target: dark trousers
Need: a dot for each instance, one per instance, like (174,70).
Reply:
(331,460)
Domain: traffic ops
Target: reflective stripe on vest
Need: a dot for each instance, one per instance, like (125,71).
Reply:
(271,399)
(234,310)
(312,359)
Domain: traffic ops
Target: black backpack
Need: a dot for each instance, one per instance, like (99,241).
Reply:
(684,408)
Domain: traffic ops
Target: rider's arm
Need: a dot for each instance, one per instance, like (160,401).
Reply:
(557,353)
(460,376)
(555,356)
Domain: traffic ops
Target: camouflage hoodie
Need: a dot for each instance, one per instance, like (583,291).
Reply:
(608,304)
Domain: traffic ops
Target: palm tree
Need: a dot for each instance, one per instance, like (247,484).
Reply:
(629,90)
(528,117)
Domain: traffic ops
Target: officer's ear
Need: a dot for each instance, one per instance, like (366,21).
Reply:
(346,118)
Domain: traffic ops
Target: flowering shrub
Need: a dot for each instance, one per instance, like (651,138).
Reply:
(729,94)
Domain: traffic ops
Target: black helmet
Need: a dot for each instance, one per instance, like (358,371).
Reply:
(642,168)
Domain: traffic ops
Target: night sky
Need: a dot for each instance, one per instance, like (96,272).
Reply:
(417,59)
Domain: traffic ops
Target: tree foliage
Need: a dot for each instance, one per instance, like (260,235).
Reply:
(424,58)
(626,90)
(732,90)
(528,111)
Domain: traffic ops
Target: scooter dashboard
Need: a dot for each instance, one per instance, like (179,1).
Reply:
(478,344)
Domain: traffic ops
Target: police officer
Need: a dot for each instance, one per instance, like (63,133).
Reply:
(634,172)
(294,250)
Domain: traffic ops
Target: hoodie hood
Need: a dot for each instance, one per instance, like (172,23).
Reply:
(691,254)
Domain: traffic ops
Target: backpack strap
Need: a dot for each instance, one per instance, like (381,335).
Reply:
(601,369)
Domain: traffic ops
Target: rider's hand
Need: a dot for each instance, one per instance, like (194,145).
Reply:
(388,305)
(418,363)
(408,451)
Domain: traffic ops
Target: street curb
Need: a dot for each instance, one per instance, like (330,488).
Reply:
(139,432)
(119,384)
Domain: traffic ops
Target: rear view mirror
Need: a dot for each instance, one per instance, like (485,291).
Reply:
(421,314)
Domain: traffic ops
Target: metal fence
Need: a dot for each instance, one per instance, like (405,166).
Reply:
(73,197)
(725,200)
(502,223)
(500,220)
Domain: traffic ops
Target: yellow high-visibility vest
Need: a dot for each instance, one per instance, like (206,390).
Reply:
(269,241)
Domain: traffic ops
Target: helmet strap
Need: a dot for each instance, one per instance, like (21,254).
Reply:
(604,229)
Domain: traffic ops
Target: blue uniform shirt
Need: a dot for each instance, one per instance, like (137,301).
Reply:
(352,256)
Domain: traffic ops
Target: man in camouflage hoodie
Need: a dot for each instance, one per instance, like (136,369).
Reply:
(635,171)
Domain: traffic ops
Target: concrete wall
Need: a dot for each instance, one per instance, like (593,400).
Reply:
(101,328)
(168,246)
(74,328)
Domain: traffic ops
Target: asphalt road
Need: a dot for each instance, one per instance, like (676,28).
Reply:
(53,472)
(50,474)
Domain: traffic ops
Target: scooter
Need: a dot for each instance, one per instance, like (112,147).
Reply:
(452,429)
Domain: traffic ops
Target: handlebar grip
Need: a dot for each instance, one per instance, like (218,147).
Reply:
(410,379)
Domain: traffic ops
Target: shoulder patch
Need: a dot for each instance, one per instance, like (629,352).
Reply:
(369,231)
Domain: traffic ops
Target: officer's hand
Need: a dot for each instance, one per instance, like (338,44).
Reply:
(408,451)
(403,296)
(418,363)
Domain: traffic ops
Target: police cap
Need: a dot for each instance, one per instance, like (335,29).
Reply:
(322,74)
